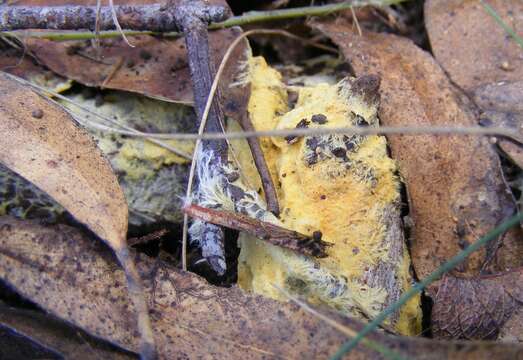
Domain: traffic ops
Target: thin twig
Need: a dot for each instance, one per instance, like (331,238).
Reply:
(284,14)
(192,17)
(151,17)
(356,22)
(418,287)
(406,130)
(147,238)
(271,196)
(116,66)
(271,233)
(97,29)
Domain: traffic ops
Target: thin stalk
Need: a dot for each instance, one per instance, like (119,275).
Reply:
(293,13)
(417,288)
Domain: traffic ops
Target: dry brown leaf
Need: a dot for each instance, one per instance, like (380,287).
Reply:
(470,45)
(75,278)
(40,142)
(482,58)
(454,183)
(477,308)
(62,340)
(156,67)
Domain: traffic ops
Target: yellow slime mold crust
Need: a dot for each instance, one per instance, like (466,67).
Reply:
(339,185)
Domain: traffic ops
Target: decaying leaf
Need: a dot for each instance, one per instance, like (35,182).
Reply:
(60,339)
(75,278)
(477,308)
(22,65)
(481,58)
(455,185)
(470,45)
(41,143)
(339,188)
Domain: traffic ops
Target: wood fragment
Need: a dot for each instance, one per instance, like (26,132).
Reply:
(192,19)
(269,189)
(273,234)
(147,238)
(154,17)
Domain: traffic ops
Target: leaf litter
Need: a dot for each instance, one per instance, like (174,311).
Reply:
(455,185)
(75,278)
(482,59)
(63,160)
(451,226)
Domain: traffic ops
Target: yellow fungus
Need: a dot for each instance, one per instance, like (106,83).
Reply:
(342,186)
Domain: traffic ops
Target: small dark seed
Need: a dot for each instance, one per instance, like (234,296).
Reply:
(323,197)
(317,235)
(340,152)
(312,143)
(232,177)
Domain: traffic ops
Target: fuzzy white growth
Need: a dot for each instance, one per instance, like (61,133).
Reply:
(215,191)
(212,181)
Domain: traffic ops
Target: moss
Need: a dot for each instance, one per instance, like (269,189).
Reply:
(339,185)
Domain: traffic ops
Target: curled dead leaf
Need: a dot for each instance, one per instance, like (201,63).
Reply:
(455,185)
(477,308)
(75,278)
(61,159)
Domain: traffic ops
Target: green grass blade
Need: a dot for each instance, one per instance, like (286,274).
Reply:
(490,10)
